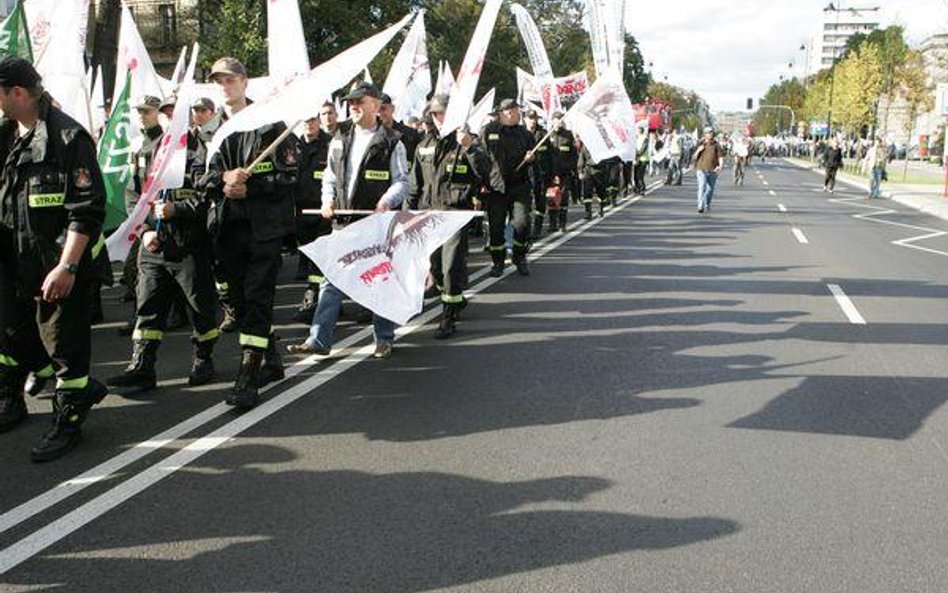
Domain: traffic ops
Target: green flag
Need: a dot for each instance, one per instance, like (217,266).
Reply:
(15,35)
(114,150)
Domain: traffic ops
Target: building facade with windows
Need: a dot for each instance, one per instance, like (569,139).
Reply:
(838,25)
(165,26)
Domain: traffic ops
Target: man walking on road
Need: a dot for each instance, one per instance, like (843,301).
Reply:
(834,160)
(707,166)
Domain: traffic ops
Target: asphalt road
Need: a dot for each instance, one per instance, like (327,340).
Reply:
(748,400)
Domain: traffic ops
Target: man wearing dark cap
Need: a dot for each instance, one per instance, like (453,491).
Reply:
(446,176)
(174,278)
(52,205)
(314,154)
(367,170)
(409,136)
(509,145)
(139,164)
(250,214)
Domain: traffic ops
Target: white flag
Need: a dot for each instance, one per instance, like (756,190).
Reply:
(382,262)
(597,35)
(409,79)
(604,119)
(133,56)
(481,111)
(539,60)
(462,96)
(298,98)
(286,47)
(167,168)
(97,101)
(58,36)
(445,83)
(177,77)
(615,33)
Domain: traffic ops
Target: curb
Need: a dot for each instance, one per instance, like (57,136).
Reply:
(938,210)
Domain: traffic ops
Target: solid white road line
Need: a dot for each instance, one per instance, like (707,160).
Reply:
(799,235)
(781,207)
(849,309)
(41,539)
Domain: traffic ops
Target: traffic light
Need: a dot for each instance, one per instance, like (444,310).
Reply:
(750,104)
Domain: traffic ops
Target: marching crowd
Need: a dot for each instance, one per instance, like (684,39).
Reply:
(209,253)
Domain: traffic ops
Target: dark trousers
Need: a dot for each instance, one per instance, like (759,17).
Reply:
(639,172)
(158,283)
(830,181)
(307,231)
(514,205)
(449,267)
(37,332)
(250,268)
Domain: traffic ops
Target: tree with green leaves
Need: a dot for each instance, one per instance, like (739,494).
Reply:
(774,114)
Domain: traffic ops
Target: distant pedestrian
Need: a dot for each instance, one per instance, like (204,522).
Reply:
(833,161)
(875,162)
(707,165)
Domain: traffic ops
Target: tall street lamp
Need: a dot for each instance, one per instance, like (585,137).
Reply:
(829,116)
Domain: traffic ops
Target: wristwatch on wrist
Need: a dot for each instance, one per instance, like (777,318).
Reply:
(71,268)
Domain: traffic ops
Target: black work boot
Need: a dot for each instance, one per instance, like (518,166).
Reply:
(139,375)
(12,404)
(202,368)
(70,408)
(243,395)
(497,270)
(520,260)
(563,213)
(308,307)
(272,368)
(602,207)
(446,327)
(589,211)
(554,220)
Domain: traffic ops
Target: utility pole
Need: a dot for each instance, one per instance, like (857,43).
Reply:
(829,116)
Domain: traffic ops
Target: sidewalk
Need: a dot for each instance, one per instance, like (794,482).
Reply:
(925,198)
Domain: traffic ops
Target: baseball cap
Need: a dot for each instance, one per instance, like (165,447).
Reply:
(147,102)
(708,130)
(507,104)
(530,114)
(229,66)
(557,115)
(169,101)
(386,100)
(15,71)
(203,103)
(363,89)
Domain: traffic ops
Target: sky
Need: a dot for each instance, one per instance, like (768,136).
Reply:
(729,50)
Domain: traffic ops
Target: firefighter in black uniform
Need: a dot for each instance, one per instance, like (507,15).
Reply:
(595,181)
(250,214)
(563,159)
(175,252)
(314,154)
(539,173)
(409,137)
(139,164)
(509,145)
(52,206)
(445,176)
